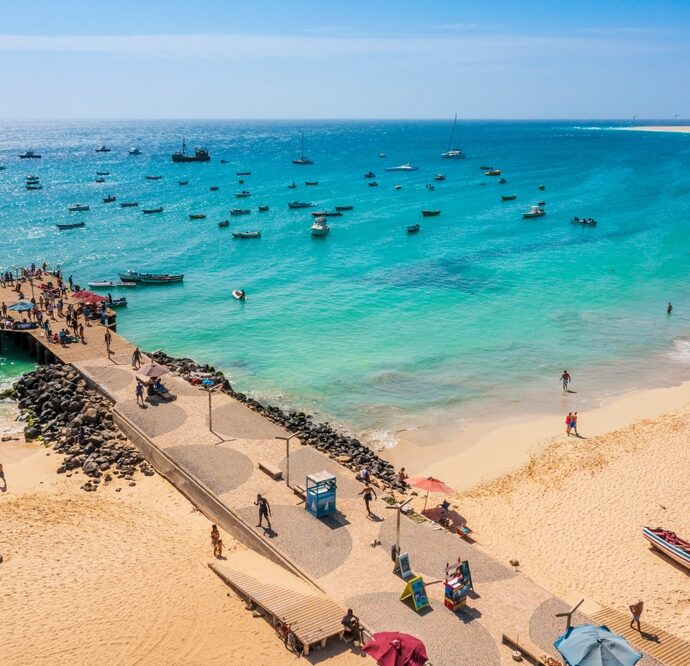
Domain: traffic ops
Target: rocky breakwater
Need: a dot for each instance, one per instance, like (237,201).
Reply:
(346,450)
(62,411)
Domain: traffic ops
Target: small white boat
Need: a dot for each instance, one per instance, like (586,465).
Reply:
(78,207)
(397,187)
(110,284)
(134,151)
(320,227)
(440,176)
(246,234)
(403,167)
(103,149)
(453,153)
(534,211)
(239,294)
(669,543)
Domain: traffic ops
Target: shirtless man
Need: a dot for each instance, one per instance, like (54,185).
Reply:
(636,612)
(565,380)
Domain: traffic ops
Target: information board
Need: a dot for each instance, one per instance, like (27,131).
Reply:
(402,566)
(416,589)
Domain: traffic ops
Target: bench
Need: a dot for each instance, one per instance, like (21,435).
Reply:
(274,472)
(529,650)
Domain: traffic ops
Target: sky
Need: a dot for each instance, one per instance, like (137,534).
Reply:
(285,59)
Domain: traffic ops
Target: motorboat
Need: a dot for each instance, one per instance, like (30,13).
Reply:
(584,221)
(76,225)
(100,179)
(542,187)
(109,199)
(134,151)
(344,207)
(263,209)
(370,174)
(493,172)
(382,154)
(413,228)
(200,155)
(246,234)
(430,213)
(197,216)
(110,284)
(153,177)
(397,187)
(150,278)
(453,153)
(669,543)
(440,176)
(534,211)
(239,294)
(300,204)
(242,194)
(403,167)
(311,182)
(503,181)
(214,188)
(243,173)
(129,204)
(29,155)
(183,182)
(326,213)
(34,186)
(32,179)
(102,173)
(541,203)
(320,227)
(373,183)
(77,208)
(120,302)
(302,160)
(224,223)
(292,186)
(240,211)
(151,211)
(223,161)
(431,188)
(103,149)
(508,197)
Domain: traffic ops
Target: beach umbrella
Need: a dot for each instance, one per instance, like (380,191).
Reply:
(589,645)
(22,306)
(391,648)
(430,484)
(82,293)
(88,297)
(152,370)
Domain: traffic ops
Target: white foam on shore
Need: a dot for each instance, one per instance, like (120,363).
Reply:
(381,439)
(680,351)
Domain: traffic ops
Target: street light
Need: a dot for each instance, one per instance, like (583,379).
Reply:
(210,389)
(287,454)
(398,506)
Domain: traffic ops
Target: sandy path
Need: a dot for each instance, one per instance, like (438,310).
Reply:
(116,577)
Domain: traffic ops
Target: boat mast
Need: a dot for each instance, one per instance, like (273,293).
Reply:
(452,133)
(301,149)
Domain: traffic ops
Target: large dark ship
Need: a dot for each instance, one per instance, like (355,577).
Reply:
(200,155)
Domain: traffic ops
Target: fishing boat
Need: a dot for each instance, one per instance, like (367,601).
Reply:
(263,209)
(302,160)
(397,187)
(493,172)
(29,155)
(34,186)
(534,211)
(430,213)
(150,211)
(246,234)
(120,302)
(503,181)
(542,187)
(326,213)
(292,186)
(153,177)
(110,284)
(413,228)
(239,294)
(370,174)
(183,182)
(102,173)
(100,180)
(134,151)
(311,182)
(344,207)
(453,153)
(200,155)
(382,154)
(240,211)
(109,199)
(32,179)
(430,187)
(508,197)
(243,173)
(197,216)
(243,194)
(129,204)
(223,223)
(214,188)
(440,176)
(150,278)
(403,167)
(584,221)
(373,183)
(320,227)
(541,203)
(300,204)
(103,149)
(77,208)
(669,543)
(76,225)
(223,161)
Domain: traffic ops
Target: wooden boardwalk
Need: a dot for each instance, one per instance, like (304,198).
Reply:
(313,617)
(661,645)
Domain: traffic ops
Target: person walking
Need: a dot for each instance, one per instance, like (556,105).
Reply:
(368,491)
(264,510)
(636,612)
(218,549)
(108,339)
(573,424)
(565,380)
(140,394)
(215,537)
(136,359)
(568,419)
(3,479)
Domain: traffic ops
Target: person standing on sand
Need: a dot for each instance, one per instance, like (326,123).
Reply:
(573,424)
(140,394)
(368,491)
(218,549)
(565,380)
(215,537)
(636,612)
(136,359)
(568,420)
(3,479)
(264,510)
(108,339)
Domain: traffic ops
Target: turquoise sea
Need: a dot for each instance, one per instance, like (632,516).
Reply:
(371,327)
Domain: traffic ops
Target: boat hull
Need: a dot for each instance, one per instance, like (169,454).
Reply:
(676,553)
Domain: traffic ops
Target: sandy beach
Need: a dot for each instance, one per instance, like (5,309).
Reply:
(680,129)
(117,577)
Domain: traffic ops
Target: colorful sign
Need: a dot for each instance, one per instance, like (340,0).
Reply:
(416,589)
(402,566)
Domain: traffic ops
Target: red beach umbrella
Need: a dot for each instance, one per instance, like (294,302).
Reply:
(391,648)
(430,484)
(86,296)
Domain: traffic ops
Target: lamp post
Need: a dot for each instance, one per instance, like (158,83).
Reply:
(287,454)
(210,390)
(398,506)
(570,614)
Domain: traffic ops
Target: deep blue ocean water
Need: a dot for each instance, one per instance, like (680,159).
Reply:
(370,326)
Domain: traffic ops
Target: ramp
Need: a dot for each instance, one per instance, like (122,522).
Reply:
(661,645)
(314,617)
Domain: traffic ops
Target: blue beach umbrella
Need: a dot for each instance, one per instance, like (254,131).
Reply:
(588,645)
(22,306)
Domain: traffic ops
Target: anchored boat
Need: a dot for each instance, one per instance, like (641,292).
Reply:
(200,155)
(320,227)
(534,211)
(246,234)
(76,225)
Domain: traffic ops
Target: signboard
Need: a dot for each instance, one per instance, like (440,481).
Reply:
(402,566)
(415,588)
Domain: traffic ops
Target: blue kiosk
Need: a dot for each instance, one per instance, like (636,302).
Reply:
(320,500)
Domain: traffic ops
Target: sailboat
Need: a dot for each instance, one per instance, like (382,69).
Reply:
(302,159)
(453,153)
